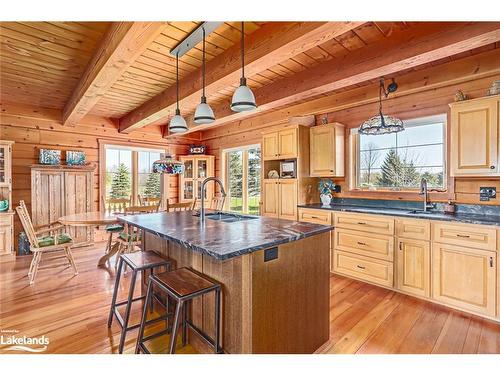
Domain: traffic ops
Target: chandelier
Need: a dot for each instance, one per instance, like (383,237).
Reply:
(382,124)
(168,165)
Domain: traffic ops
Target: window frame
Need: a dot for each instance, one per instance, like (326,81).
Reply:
(225,173)
(354,158)
(134,147)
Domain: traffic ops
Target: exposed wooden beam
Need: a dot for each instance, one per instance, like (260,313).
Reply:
(264,48)
(122,44)
(480,66)
(402,51)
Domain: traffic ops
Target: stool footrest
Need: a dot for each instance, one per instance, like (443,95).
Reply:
(202,334)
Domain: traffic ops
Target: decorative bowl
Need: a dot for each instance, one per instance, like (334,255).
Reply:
(4,205)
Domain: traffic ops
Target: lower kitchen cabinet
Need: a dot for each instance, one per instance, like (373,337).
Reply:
(270,203)
(364,268)
(413,267)
(280,198)
(464,277)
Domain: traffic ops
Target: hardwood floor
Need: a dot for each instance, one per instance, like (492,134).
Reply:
(72,312)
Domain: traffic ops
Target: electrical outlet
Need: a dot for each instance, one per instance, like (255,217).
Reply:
(487,193)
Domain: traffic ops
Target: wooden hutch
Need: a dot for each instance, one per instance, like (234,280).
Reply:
(6,216)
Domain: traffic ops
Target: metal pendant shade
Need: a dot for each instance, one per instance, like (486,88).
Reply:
(382,124)
(203,113)
(177,123)
(243,97)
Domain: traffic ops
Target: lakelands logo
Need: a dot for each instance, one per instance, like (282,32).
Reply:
(11,340)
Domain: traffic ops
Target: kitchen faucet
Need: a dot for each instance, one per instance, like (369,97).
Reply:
(424,192)
(203,186)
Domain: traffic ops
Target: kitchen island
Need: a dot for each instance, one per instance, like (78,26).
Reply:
(274,275)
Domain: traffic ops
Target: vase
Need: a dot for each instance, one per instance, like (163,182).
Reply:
(326,199)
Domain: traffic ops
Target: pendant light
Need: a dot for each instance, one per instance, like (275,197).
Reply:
(177,123)
(203,113)
(168,165)
(243,98)
(382,124)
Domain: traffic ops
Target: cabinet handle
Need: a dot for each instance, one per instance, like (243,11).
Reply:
(361,223)
(401,246)
(361,267)
(361,243)
(463,235)
(491,262)
(492,167)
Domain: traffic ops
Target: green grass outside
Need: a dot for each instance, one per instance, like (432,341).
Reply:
(236,204)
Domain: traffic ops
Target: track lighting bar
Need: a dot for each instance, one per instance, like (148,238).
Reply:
(194,38)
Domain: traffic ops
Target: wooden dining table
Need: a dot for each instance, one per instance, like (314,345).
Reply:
(94,218)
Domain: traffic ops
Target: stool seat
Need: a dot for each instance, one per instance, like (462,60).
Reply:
(144,259)
(185,282)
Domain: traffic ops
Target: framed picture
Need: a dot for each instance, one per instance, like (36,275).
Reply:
(75,158)
(197,149)
(50,157)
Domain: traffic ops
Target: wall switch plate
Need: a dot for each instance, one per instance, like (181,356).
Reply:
(270,254)
(487,193)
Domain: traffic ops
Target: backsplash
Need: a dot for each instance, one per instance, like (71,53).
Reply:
(414,205)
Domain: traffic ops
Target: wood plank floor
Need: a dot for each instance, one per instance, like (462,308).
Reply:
(72,311)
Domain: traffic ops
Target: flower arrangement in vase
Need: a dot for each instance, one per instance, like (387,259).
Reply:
(325,188)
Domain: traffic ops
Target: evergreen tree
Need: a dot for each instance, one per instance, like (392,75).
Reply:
(254,172)
(398,172)
(152,188)
(120,186)
(236,173)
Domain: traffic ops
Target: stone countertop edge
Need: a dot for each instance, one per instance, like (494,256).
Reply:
(437,215)
(232,254)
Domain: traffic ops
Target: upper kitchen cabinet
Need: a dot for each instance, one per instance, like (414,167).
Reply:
(327,150)
(474,137)
(280,144)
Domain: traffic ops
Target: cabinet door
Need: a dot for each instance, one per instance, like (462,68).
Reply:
(47,197)
(78,199)
(288,200)
(474,138)
(413,270)
(270,206)
(287,144)
(5,239)
(270,147)
(322,151)
(5,165)
(464,277)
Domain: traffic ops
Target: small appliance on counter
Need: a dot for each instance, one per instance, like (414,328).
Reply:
(288,169)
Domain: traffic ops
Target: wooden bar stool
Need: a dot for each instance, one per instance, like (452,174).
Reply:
(138,261)
(182,285)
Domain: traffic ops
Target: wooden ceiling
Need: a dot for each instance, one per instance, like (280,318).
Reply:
(123,70)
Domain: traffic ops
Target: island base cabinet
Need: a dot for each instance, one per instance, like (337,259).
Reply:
(413,267)
(464,278)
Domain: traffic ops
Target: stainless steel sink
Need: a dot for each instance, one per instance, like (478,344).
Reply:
(419,212)
(227,218)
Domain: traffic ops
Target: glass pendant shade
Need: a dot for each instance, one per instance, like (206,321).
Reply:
(177,123)
(381,124)
(203,113)
(243,98)
(168,165)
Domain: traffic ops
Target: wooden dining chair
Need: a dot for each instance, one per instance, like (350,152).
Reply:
(149,201)
(130,239)
(114,205)
(183,206)
(52,241)
(217,203)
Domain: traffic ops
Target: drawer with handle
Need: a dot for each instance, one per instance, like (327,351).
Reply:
(413,229)
(364,268)
(367,223)
(315,216)
(373,245)
(469,235)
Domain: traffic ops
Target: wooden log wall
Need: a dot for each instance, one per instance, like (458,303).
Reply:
(425,102)
(35,128)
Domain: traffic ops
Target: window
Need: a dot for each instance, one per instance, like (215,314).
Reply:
(398,161)
(242,179)
(128,172)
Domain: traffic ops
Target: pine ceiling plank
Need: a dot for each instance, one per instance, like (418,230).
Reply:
(122,44)
(273,43)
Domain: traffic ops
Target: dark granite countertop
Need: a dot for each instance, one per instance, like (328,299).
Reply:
(471,218)
(223,240)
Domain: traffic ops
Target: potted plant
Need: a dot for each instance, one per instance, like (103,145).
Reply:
(325,188)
